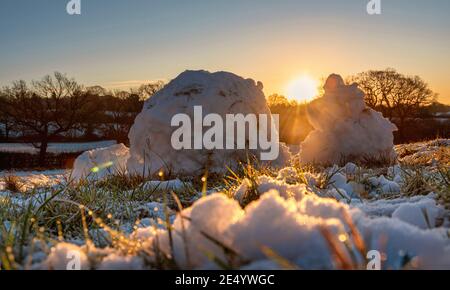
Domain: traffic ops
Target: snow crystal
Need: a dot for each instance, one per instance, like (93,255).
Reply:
(345,128)
(99,163)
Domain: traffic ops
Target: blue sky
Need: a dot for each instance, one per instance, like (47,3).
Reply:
(119,43)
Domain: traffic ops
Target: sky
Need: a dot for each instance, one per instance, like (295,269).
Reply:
(122,43)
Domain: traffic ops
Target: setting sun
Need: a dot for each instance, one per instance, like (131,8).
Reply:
(302,89)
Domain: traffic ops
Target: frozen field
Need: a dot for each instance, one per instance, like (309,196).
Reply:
(289,218)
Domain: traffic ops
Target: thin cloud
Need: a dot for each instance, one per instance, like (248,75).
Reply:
(129,83)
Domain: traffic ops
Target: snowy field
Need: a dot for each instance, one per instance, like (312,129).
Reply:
(55,148)
(299,219)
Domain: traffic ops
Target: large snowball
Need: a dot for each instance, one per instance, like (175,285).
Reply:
(220,93)
(345,128)
(99,163)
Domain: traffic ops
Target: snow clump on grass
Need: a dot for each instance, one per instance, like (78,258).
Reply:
(99,163)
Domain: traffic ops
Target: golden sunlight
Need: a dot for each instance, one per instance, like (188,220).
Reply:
(302,89)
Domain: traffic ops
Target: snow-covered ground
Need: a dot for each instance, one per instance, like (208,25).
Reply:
(433,152)
(32,179)
(303,218)
(54,147)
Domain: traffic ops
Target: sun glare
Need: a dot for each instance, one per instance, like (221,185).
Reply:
(302,89)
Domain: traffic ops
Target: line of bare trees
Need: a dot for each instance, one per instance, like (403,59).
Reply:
(45,110)
(399,97)
(55,105)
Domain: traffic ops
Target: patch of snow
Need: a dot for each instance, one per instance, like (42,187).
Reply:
(422,214)
(351,168)
(63,256)
(55,148)
(212,216)
(262,265)
(386,207)
(293,230)
(34,179)
(243,188)
(99,163)
(339,181)
(433,152)
(119,262)
(388,186)
(168,185)
(266,184)
(288,174)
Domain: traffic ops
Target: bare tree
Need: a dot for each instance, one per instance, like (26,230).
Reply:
(399,97)
(123,108)
(5,121)
(47,108)
(145,91)
(276,99)
(97,90)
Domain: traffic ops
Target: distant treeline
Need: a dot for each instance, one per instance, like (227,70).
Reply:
(58,109)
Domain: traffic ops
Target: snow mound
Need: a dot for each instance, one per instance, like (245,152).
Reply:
(345,128)
(99,163)
(221,93)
